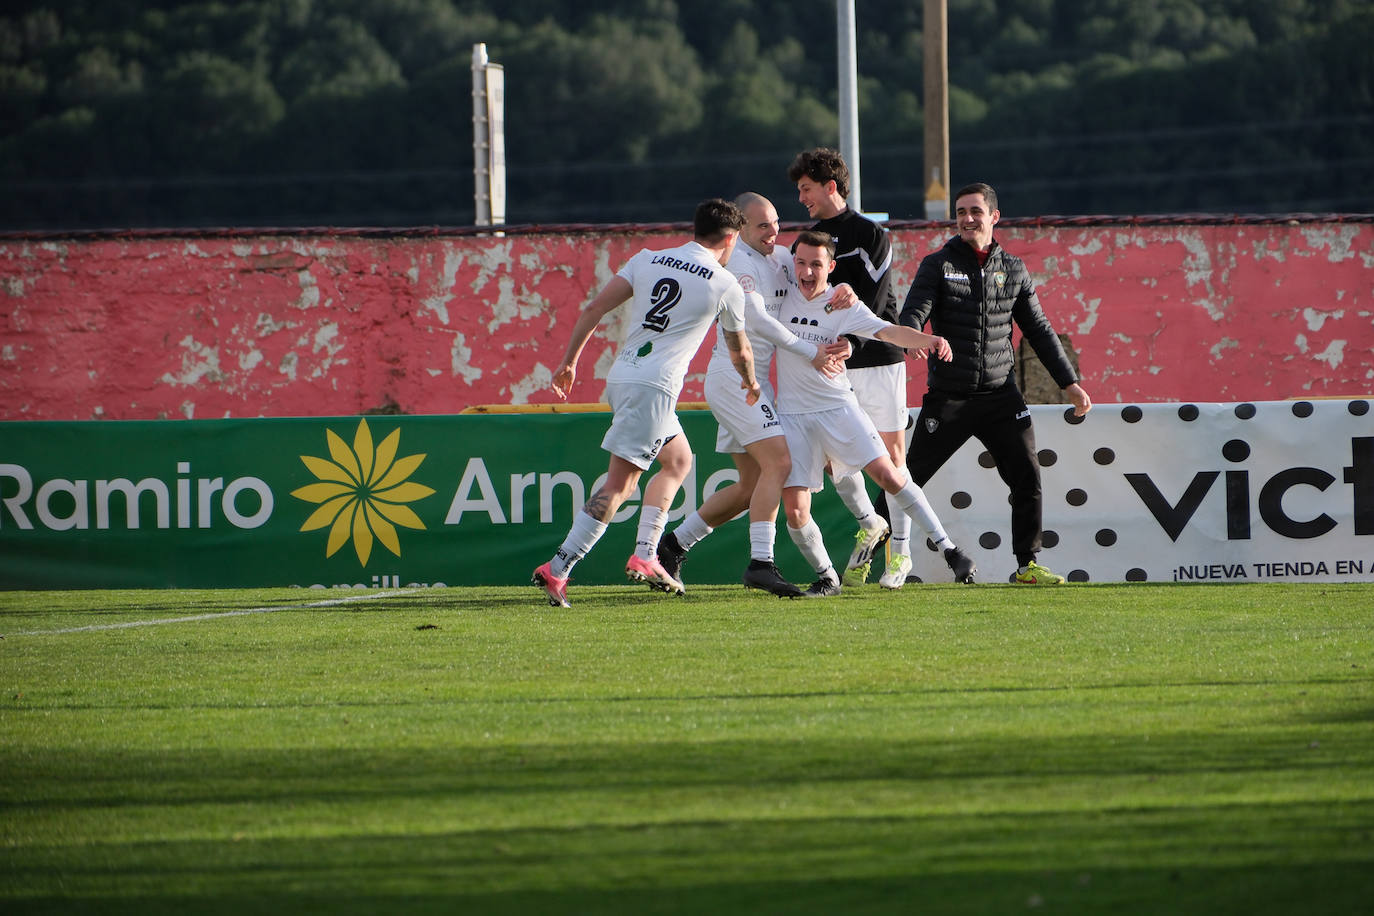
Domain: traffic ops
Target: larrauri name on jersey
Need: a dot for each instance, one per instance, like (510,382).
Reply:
(801,389)
(678,293)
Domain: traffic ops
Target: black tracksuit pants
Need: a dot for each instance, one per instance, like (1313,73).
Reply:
(1001,422)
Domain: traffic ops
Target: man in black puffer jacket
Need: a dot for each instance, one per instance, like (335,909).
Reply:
(971,291)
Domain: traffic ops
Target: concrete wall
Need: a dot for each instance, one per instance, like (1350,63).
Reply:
(321,324)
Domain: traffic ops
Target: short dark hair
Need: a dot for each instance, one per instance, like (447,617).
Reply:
(714,219)
(979,187)
(821,164)
(816,239)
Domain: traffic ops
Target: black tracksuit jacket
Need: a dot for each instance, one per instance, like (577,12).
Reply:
(974,308)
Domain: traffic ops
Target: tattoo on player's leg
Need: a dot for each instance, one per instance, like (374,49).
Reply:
(598,507)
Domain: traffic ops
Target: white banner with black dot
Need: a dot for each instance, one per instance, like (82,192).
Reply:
(1251,492)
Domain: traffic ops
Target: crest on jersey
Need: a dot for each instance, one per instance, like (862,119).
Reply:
(747,282)
(932,424)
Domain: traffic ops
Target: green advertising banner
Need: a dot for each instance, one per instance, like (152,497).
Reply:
(356,502)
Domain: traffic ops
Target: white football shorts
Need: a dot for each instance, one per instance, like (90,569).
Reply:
(740,424)
(643,419)
(881,391)
(844,436)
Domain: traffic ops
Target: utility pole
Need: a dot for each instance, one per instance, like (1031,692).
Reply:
(849,98)
(936,83)
(488,138)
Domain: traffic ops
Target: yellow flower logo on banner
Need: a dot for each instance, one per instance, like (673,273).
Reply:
(362,492)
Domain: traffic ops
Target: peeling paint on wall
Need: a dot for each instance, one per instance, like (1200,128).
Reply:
(460,361)
(198,362)
(140,328)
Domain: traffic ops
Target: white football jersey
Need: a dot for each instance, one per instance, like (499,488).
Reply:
(768,278)
(766,334)
(766,274)
(678,293)
(801,389)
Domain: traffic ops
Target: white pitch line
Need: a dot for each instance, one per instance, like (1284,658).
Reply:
(256,610)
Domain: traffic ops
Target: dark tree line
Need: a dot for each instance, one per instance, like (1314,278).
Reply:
(358,112)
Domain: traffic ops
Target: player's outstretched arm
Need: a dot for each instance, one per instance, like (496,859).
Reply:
(912,339)
(612,295)
(757,321)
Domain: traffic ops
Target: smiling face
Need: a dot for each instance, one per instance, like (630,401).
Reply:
(975,220)
(818,198)
(760,230)
(813,264)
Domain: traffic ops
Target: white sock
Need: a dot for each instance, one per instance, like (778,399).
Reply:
(582,537)
(901,527)
(692,529)
(913,501)
(651,522)
(812,546)
(899,547)
(761,536)
(854,495)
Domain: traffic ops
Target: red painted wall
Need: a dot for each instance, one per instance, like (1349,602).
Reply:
(320,324)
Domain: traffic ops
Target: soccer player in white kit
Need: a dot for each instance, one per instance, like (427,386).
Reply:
(876,369)
(751,433)
(677,294)
(823,420)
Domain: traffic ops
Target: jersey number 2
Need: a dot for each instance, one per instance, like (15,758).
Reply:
(667,293)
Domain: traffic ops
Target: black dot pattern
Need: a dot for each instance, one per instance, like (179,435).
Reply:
(1236,450)
(1169,492)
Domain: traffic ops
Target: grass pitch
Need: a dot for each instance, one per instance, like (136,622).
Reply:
(1085,749)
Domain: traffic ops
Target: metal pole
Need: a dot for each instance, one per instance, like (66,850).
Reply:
(496,141)
(936,76)
(849,99)
(481,142)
